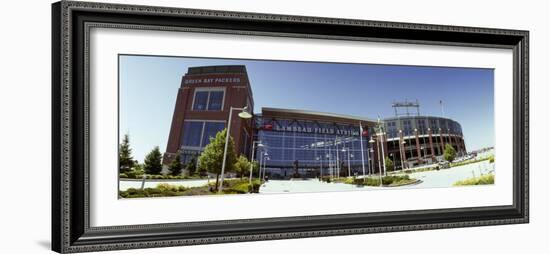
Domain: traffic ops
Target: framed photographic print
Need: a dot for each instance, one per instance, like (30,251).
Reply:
(246,126)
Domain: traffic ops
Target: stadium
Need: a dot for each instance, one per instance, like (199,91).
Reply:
(301,143)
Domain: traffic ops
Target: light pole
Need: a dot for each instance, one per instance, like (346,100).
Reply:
(329,165)
(337,158)
(393,160)
(265,162)
(371,160)
(403,155)
(381,137)
(260,169)
(320,159)
(349,168)
(371,142)
(350,156)
(243,114)
(260,145)
(261,172)
(379,164)
(362,152)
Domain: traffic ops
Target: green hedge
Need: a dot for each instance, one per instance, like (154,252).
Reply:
(169,190)
(391,180)
(484,179)
(134,175)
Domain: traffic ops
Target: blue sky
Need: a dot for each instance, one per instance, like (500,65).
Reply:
(148,87)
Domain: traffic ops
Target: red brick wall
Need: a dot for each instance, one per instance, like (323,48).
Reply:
(236,95)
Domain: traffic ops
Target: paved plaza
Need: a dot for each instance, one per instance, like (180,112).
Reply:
(430,179)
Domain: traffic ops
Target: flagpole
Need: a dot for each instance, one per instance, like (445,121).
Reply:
(442,111)
(362,152)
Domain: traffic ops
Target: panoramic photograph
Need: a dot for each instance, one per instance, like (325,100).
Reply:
(191,126)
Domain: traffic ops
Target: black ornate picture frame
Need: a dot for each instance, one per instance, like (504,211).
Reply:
(71,231)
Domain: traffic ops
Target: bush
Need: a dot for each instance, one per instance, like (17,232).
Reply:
(152,191)
(197,191)
(122,175)
(241,188)
(132,191)
(386,180)
(484,179)
(169,190)
(327,179)
(131,174)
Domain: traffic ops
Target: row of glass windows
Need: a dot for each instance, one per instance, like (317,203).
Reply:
(208,100)
(198,133)
(286,148)
(422,125)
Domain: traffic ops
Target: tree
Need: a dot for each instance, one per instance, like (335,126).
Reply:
(152,163)
(125,159)
(256,167)
(242,166)
(449,153)
(211,158)
(389,164)
(191,166)
(175,166)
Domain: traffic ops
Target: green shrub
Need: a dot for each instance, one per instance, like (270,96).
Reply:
(152,191)
(197,191)
(169,190)
(484,179)
(170,193)
(131,174)
(327,179)
(122,175)
(351,180)
(255,187)
(390,180)
(123,194)
(131,191)
(241,188)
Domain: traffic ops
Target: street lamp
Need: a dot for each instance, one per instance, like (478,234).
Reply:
(381,134)
(371,161)
(320,159)
(371,142)
(329,165)
(362,152)
(337,158)
(243,114)
(403,155)
(264,157)
(260,145)
(349,168)
(265,162)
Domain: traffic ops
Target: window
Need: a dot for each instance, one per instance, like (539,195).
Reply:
(201,99)
(208,100)
(198,133)
(192,132)
(210,131)
(216,100)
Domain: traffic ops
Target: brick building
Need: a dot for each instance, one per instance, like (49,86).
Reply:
(202,109)
(297,141)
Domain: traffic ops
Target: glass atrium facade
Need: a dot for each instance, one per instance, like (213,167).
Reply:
(310,147)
